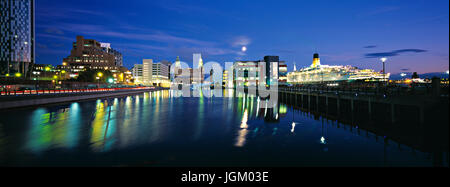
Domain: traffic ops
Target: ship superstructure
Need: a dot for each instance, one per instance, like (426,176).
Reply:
(318,73)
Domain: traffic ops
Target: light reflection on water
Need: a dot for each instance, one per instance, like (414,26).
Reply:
(58,129)
(227,125)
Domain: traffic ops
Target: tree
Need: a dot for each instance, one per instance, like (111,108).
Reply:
(415,75)
(91,75)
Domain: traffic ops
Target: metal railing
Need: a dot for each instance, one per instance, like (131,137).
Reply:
(67,91)
(391,90)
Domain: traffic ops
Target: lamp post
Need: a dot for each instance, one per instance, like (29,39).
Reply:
(36,77)
(384,70)
(99,76)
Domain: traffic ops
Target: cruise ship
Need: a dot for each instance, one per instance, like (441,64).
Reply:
(318,73)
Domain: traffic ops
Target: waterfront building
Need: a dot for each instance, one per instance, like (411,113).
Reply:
(48,72)
(247,73)
(225,79)
(283,71)
(137,73)
(177,69)
(318,73)
(122,75)
(156,74)
(198,73)
(147,65)
(190,75)
(88,53)
(198,61)
(272,70)
(17,36)
(118,57)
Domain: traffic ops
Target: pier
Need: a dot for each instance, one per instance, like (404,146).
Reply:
(419,120)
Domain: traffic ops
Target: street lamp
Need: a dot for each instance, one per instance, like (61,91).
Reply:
(55,78)
(384,69)
(36,77)
(99,76)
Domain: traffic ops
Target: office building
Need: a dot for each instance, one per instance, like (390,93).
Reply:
(88,53)
(247,73)
(137,73)
(118,58)
(17,36)
(225,79)
(272,69)
(156,74)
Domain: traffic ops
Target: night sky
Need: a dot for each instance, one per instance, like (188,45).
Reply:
(413,34)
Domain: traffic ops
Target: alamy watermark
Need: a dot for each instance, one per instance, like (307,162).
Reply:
(253,78)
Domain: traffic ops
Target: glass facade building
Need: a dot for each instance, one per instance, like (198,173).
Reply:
(17,36)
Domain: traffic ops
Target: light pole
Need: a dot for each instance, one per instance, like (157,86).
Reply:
(36,77)
(384,70)
(99,76)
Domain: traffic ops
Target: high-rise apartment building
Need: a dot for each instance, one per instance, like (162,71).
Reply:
(17,36)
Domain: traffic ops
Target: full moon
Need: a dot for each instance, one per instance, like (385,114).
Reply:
(244,48)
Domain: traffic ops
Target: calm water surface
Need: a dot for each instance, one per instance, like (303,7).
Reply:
(158,129)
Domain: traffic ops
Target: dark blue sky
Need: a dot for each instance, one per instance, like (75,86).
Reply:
(413,34)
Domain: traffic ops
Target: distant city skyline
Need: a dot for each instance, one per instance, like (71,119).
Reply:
(412,34)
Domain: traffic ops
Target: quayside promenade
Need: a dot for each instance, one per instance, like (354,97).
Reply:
(28,98)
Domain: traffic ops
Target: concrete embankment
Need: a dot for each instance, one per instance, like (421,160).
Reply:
(28,101)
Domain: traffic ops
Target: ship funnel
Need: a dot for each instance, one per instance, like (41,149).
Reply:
(316,61)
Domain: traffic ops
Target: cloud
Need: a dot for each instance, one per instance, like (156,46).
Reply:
(141,42)
(132,34)
(379,10)
(180,7)
(54,31)
(51,36)
(370,46)
(240,53)
(53,12)
(280,51)
(340,57)
(42,46)
(405,69)
(211,51)
(241,41)
(52,51)
(393,53)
